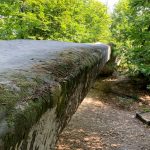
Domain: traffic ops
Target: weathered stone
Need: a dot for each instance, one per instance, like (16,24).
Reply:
(144,117)
(42,84)
(110,67)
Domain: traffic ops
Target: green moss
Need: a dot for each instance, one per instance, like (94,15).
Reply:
(62,99)
(7,96)
(22,120)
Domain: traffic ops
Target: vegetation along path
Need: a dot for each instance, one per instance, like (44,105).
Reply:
(106,119)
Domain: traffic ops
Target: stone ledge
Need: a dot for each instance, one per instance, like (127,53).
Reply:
(144,117)
(42,84)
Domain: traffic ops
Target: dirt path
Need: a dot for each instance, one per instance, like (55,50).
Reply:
(99,124)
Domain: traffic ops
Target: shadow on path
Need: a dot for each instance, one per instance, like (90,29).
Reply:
(99,125)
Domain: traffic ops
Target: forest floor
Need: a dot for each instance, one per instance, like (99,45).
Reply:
(105,120)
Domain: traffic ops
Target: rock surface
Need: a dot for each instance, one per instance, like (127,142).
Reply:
(144,117)
(41,85)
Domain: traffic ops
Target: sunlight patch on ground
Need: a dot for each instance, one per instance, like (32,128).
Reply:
(91,141)
(93,101)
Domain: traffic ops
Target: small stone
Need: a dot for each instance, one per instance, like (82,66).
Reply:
(140,104)
(114,145)
(144,117)
(86,139)
(132,116)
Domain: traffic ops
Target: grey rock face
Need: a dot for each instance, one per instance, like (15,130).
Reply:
(42,84)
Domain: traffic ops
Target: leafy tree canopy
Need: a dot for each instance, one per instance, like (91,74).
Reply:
(131,32)
(67,20)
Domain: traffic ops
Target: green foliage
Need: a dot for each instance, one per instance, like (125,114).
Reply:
(67,20)
(131,32)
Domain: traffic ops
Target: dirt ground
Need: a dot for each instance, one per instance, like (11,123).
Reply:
(106,119)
